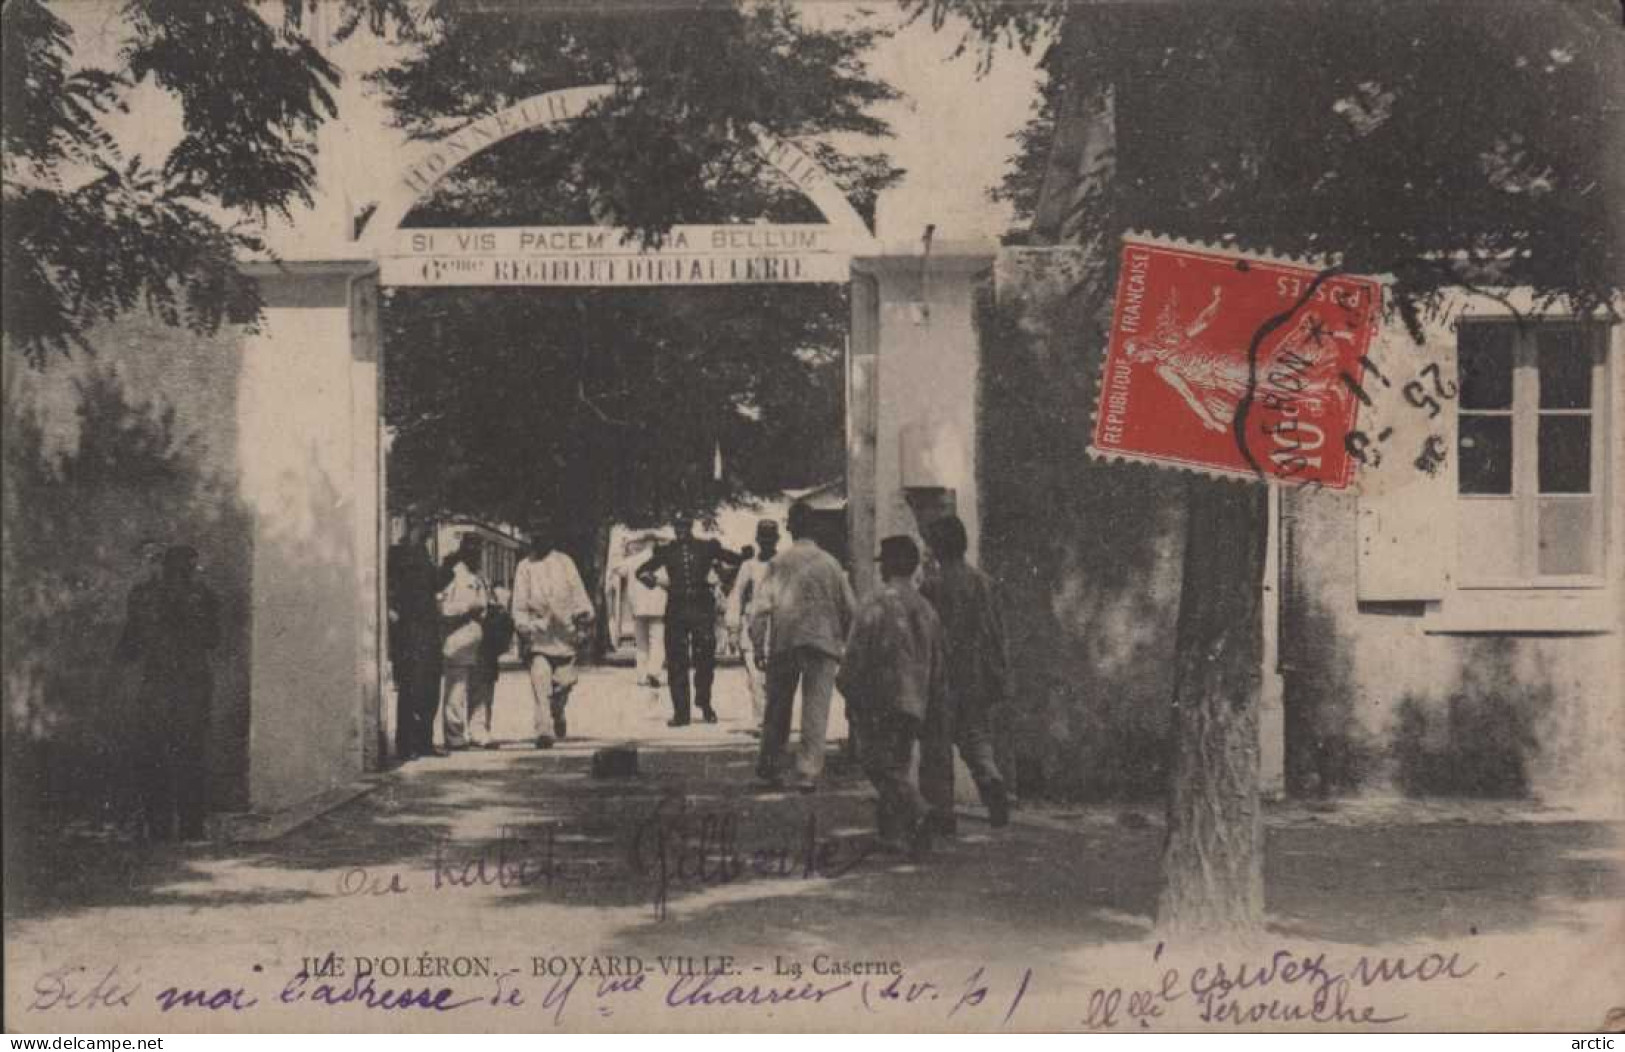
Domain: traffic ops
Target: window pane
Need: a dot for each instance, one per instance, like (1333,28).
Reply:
(1565,454)
(1486,366)
(1485,454)
(1565,368)
(1566,542)
(1488,539)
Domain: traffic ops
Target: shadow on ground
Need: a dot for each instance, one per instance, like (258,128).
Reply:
(594,844)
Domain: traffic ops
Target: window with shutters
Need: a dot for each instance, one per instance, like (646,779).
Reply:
(1532,454)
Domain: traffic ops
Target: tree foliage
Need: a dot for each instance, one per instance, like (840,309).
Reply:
(91,232)
(614,403)
(610,405)
(1441,143)
(674,144)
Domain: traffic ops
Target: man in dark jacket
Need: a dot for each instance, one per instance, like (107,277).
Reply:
(895,679)
(172,625)
(963,598)
(691,614)
(415,638)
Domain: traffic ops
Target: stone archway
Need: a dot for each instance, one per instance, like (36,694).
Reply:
(435,161)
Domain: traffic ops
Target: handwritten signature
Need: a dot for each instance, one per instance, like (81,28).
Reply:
(1285,987)
(674,846)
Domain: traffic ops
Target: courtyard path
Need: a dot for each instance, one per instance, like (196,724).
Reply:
(518,866)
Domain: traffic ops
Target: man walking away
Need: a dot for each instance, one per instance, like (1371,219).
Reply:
(964,599)
(173,623)
(799,627)
(551,612)
(691,615)
(415,640)
(895,679)
(462,612)
(497,636)
(741,602)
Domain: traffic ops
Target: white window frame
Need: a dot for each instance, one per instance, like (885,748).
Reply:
(1525,413)
(1529,602)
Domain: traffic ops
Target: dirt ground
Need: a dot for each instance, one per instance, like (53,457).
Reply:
(529,892)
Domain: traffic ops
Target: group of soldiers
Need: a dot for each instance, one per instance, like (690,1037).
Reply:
(918,665)
(448,632)
(927,664)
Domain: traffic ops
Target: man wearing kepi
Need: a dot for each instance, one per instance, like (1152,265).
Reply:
(799,628)
(895,681)
(691,615)
(551,612)
(964,600)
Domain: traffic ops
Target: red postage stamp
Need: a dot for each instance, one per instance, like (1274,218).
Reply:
(1234,365)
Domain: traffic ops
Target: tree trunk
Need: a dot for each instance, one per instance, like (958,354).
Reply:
(1213,856)
(1212,862)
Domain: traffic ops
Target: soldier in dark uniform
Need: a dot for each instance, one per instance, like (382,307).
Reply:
(691,614)
(172,625)
(415,639)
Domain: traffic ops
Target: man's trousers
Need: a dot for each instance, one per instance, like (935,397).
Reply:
(482,693)
(649,637)
(690,644)
(417,691)
(968,729)
(172,778)
(756,683)
(814,671)
(888,750)
(551,680)
(454,703)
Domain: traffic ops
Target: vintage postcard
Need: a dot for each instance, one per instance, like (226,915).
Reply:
(799,516)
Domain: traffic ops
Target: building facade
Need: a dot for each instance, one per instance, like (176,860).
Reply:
(1446,633)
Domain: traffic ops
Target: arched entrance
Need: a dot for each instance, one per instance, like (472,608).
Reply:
(910,426)
(435,161)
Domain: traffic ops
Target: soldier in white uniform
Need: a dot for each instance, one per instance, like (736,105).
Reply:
(551,613)
(741,603)
(647,607)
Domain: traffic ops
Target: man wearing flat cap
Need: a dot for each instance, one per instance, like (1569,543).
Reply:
(894,679)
